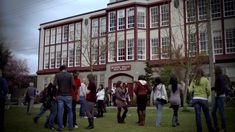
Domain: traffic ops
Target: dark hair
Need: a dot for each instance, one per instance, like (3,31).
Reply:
(90,77)
(218,71)
(174,83)
(198,76)
(101,86)
(141,77)
(62,67)
(157,81)
(118,84)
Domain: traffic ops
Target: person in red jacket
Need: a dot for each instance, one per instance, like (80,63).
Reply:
(90,100)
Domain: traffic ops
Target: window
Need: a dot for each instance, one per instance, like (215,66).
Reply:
(52,57)
(130,49)
(94,52)
(58,35)
(218,46)
(71,32)
(102,26)
(58,55)
(141,17)
(64,55)
(130,17)
(202,9)
(53,36)
(230,40)
(203,47)
(111,52)
(112,21)
(102,54)
(154,49)
(192,45)
(94,28)
(165,15)
(65,33)
(121,19)
(141,49)
(77,54)
(215,8)
(165,47)
(71,54)
(46,60)
(154,16)
(229,7)
(47,36)
(78,31)
(191,11)
(121,50)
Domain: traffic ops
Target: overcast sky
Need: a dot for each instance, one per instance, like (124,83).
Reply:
(20,20)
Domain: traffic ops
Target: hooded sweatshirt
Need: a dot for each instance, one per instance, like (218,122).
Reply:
(142,88)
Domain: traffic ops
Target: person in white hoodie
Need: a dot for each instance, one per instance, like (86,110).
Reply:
(158,94)
(142,91)
(100,100)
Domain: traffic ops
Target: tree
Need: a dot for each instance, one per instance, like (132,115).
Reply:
(149,73)
(5,55)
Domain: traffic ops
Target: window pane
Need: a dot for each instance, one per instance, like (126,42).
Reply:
(230,41)
(154,16)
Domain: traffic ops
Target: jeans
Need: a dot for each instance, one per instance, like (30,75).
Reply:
(43,109)
(159,108)
(67,101)
(30,105)
(82,106)
(2,111)
(74,103)
(53,112)
(198,105)
(219,103)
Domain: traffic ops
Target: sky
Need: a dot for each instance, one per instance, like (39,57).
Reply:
(20,21)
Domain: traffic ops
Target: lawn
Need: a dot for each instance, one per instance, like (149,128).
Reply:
(18,121)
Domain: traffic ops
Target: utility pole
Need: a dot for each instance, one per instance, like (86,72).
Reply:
(210,46)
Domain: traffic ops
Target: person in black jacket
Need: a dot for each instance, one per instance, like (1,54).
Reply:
(219,89)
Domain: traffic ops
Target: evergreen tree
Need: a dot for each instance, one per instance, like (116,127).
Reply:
(148,73)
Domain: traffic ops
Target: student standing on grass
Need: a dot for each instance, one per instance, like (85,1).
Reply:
(121,102)
(142,91)
(82,99)
(3,94)
(100,100)
(30,95)
(200,87)
(64,82)
(90,100)
(220,89)
(174,99)
(158,92)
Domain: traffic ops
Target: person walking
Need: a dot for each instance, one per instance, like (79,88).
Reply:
(100,100)
(82,99)
(158,94)
(64,82)
(142,91)
(90,100)
(200,87)
(220,88)
(30,95)
(174,99)
(3,95)
(121,102)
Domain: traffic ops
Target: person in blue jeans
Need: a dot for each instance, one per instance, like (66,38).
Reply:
(64,82)
(200,87)
(220,88)
(82,99)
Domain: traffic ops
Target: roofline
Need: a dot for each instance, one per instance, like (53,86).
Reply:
(72,16)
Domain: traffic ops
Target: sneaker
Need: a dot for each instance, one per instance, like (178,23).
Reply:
(75,126)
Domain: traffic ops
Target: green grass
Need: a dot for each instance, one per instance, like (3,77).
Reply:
(18,121)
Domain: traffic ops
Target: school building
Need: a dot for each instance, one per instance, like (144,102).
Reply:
(114,43)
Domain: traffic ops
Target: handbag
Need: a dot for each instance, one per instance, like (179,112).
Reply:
(162,100)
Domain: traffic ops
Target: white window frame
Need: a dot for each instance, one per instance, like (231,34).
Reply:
(58,35)
(112,21)
(130,49)
(78,31)
(58,56)
(121,50)
(46,60)
(141,17)
(52,39)
(52,57)
(121,19)
(192,44)
(203,43)
(47,36)
(230,42)
(154,17)
(229,8)
(165,46)
(103,26)
(191,11)
(94,52)
(202,9)
(77,54)
(217,40)
(65,35)
(154,46)
(141,49)
(164,15)
(215,8)
(71,55)
(94,27)
(64,60)
(130,18)
(102,56)
(111,51)
(71,32)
